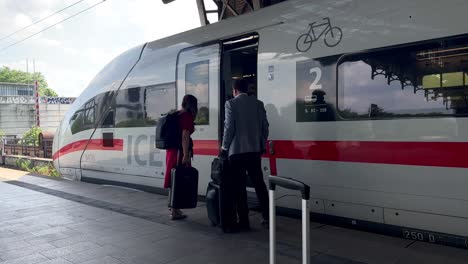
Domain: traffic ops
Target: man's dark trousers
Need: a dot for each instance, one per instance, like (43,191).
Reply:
(248,164)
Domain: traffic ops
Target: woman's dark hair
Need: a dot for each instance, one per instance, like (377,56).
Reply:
(190,104)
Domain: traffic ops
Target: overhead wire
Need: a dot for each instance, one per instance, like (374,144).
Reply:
(40,20)
(51,26)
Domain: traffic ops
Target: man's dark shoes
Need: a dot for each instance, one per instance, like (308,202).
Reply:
(244,227)
(231,229)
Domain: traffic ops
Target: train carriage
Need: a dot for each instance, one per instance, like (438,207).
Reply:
(367,103)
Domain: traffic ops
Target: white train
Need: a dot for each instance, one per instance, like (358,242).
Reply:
(367,103)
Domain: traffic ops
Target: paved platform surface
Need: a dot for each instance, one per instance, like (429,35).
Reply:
(50,221)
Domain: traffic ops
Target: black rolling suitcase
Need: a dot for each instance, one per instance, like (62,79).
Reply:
(219,206)
(213,203)
(219,169)
(184,188)
(219,201)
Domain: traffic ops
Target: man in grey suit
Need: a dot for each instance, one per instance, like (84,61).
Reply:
(245,135)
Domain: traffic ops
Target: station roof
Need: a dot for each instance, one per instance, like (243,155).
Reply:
(229,8)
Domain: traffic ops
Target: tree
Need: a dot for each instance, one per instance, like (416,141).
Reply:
(31,137)
(16,76)
(47,92)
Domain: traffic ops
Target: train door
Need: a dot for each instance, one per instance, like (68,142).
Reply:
(198,74)
(239,61)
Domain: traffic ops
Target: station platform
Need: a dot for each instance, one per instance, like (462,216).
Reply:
(53,221)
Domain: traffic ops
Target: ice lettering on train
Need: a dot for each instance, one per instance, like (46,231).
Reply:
(136,152)
(141,150)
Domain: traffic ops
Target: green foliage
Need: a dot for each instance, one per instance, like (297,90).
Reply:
(2,133)
(24,164)
(203,116)
(31,137)
(47,170)
(27,165)
(45,91)
(15,76)
(53,172)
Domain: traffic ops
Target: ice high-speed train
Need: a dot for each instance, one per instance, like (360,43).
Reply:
(367,102)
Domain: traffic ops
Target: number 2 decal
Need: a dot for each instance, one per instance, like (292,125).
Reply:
(318,75)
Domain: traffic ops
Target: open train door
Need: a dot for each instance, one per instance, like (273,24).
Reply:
(240,61)
(198,74)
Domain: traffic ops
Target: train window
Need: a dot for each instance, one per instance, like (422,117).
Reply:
(424,80)
(76,121)
(197,84)
(129,108)
(103,102)
(83,118)
(159,99)
(109,120)
(89,114)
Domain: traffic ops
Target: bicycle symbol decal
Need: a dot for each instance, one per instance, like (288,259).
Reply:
(332,35)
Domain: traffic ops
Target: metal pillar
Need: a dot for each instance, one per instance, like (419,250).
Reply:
(202,12)
(256,4)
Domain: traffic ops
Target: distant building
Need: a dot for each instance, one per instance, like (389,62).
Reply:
(18,109)
(16,89)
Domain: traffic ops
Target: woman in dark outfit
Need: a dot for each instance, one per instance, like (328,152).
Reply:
(183,155)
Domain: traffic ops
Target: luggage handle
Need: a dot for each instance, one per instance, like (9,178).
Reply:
(291,184)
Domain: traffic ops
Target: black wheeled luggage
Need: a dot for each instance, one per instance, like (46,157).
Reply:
(212,203)
(219,206)
(184,188)
(219,169)
(219,196)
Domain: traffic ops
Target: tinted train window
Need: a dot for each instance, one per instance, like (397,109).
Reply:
(76,121)
(89,114)
(84,118)
(109,121)
(417,81)
(103,103)
(159,99)
(197,84)
(129,111)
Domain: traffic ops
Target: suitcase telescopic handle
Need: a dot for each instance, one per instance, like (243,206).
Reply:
(291,184)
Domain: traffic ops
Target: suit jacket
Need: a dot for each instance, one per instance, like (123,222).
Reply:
(245,125)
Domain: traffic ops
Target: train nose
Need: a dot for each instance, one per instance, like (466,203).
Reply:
(55,150)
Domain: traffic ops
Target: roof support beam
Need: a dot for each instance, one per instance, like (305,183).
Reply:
(230,8)
(246,3)
(202,13)
(256,4)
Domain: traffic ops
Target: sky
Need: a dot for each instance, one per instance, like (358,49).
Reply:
(73,52)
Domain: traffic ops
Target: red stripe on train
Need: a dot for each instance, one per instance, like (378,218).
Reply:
(439,154)
(94,144)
